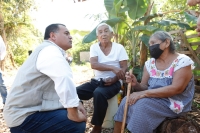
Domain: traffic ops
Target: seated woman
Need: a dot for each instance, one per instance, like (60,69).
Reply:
(166,89)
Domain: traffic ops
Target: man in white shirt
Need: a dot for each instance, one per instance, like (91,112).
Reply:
(3,89)
(43,96)
(109,61)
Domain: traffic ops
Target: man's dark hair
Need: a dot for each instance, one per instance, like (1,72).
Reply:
(51,28)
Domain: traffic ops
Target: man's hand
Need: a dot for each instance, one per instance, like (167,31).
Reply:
(76,115)
(82,109)
(111,81)
(119,73)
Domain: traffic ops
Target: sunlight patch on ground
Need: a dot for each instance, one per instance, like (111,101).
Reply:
(82,73)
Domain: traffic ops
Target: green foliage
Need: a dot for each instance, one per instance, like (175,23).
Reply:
(20,59)
(90,37)
(168,5)
(75,51)
(175,9)
(137,8)
(21,35)
(78,46)
(190,18)
(81,33)
(137,23)
(145,39)
(116,8)
(196,104)
(138,72)
(24,41)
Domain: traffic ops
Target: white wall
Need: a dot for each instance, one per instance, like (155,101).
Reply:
(85,56)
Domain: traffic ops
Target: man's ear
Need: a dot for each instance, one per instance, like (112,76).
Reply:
(52,36)
(112,34)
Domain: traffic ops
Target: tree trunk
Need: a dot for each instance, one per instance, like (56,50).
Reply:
(8,55)
(143,47)
(178,125)
(2,64)
(143,54)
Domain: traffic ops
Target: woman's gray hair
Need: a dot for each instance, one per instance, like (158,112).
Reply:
(101,24)
(162,35)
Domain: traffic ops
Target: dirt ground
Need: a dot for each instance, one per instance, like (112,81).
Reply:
(81,75)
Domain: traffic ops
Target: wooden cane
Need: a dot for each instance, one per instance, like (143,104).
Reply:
(126,105)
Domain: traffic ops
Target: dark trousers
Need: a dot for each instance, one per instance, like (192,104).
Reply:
(100,94)
(3,89)
(55,121)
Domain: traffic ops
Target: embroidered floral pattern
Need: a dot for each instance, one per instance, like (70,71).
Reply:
(168,73)
(171,71)
(153,72)
(176,106)
(161,74)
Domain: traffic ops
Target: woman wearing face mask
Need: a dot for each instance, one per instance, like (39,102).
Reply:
(166,89)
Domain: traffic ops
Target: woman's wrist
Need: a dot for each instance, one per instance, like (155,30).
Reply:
(81,101)
(138,87)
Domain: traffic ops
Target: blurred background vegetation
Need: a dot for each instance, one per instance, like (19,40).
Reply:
(133,22)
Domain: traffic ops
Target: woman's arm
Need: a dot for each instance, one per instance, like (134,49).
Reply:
(181,79)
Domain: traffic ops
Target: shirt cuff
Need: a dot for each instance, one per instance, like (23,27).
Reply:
(71,103)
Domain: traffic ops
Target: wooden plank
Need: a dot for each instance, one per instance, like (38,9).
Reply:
(196,68)
(198,48)
(196,77)
(197,51)
(174,31)
(184,52)
(178,38)
(190,49)
(195,43)
(197,87)
(182,44)
(192,36)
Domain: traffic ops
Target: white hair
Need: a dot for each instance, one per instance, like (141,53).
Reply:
(102,24)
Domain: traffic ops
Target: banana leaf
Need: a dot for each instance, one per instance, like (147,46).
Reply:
(92,35)
(190,18)
(170,22)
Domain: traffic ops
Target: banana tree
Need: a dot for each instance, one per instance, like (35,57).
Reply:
(134,29)
(121,22)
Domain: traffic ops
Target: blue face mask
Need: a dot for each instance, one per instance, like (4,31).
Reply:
(155,51)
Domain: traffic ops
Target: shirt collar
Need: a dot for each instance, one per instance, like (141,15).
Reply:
(62,51)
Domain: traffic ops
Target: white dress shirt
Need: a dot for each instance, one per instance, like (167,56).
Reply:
(2,49)
(51,62)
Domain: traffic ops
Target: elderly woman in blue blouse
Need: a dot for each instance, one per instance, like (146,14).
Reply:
(166,89)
